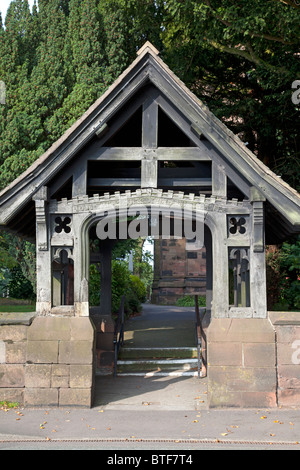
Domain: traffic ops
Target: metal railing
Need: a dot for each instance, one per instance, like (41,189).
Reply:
(119,333)
(199,335)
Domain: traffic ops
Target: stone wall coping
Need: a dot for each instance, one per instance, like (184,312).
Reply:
(16,318)
(284,318)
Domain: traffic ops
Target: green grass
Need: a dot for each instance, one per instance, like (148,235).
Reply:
(8,404)
(17,308)
(189,301)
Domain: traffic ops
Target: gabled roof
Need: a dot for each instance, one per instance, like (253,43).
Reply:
(282,200)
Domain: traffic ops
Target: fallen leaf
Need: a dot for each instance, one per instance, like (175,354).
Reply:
(276,421)
(272,434)
(195,421)
(292,424)
(224,433)
(263,417)
(101,411)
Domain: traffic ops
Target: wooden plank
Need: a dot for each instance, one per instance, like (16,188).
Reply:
(149,173)
(184,182)
(182,153)
(79,187)
(114,182)
(219,180)
(97,152)
(150,123)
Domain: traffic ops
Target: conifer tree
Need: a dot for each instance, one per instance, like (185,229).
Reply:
(85,61)
(16,58)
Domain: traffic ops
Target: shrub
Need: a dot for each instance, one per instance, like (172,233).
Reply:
(122,283)
(189,301)
(283,276)
(19,287)
(138,287)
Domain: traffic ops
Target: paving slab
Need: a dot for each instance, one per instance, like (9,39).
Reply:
(159,393)
(161,326)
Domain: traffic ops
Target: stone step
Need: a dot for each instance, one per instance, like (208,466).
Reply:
(160,373)
(158,353)
(156,364)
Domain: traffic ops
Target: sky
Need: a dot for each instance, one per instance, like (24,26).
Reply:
(4,4)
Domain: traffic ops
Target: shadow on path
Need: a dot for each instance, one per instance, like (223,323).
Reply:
(160,327)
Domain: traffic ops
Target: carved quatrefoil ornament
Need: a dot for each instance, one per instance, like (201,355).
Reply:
(237,225)
(62,224)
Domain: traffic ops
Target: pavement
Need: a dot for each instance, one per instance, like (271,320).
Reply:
(151,414)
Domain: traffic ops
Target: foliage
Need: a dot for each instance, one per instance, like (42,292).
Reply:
(94,286)
(17,308)
(122,283)
(5,278)
(273,276)
(189,301)
(7,261)
(6,405)
(290,263)
(142,265)
(139,288)
(18,253)
(283,276)
(19,287)
(241,58)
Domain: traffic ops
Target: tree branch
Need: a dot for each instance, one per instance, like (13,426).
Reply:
(292,3)
(252,57)
(268,37)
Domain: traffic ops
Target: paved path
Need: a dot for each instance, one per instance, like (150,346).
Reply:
(158,327)
(161,326)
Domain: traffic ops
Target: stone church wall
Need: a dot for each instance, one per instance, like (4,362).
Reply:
(178,271)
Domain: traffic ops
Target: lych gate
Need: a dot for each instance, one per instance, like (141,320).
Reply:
(148,142)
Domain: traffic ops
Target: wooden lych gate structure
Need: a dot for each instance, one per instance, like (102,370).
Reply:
(149,142)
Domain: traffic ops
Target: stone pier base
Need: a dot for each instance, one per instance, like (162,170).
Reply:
(48,361)
(241,363)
